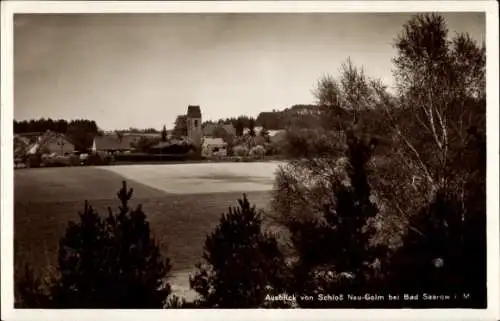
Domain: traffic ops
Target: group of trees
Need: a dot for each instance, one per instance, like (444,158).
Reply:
(350,219)
(430,230)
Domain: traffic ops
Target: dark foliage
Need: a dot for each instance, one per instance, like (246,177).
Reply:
(164,134)
(41,125)
(151,157)
(251,127)
(30,292)
(242,264)
(307,143)
(444,248)
(239,126)
(180,126)
(96,159)
(110,263)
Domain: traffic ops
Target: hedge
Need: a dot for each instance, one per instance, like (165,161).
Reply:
(150,157)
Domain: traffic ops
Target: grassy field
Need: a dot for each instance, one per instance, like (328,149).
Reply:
(182,202)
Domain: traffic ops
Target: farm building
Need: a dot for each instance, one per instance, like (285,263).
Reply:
(51,143)
(214,147)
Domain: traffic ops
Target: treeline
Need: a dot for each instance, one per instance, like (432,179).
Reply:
(350,220)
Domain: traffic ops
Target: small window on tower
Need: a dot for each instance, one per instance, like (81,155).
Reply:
(195,123)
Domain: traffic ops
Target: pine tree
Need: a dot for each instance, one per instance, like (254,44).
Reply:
(164,134)
(241,263)
(111,263)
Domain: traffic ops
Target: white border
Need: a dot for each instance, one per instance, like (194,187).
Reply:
(492,36)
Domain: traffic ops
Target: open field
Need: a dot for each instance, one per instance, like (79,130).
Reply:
(183,204)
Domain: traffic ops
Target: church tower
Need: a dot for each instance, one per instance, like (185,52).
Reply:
(194,125)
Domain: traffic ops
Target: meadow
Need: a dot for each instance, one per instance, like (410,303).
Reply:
(183,203)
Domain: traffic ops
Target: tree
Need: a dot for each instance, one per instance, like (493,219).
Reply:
(441,86)
(438,120)
(164,134)
(241,263)
(265,134)
(239,127)
(82,132)
(251,127)
(220,132)
(144,144)
(111,263)
(342,219)
(180,126)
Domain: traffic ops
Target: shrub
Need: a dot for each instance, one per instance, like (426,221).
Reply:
(137,157)
(110,263)
(240,150)
(30,291)
(257,151)
(241,263)
(96,159)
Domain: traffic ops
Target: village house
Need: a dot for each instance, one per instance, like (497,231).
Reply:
(52,143)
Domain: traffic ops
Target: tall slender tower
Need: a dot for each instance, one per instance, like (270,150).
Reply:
(194,125)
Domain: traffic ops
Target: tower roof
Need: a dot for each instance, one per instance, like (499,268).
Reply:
(194,111)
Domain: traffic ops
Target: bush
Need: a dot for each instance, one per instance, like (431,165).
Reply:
(241,263)
(96,159)
(151,157)
(240,150)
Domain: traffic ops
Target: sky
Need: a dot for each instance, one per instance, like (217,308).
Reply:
(142,70)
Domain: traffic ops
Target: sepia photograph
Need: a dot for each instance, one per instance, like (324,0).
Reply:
(249,160)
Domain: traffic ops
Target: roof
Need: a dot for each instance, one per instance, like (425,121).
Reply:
(194,111)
